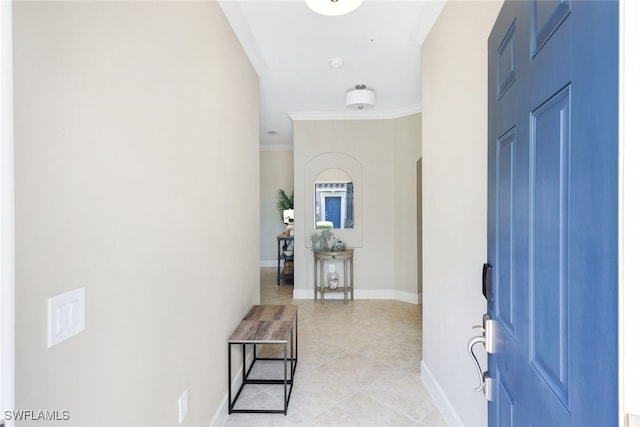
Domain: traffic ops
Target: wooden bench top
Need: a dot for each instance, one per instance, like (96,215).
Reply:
(272,312)
(262,331)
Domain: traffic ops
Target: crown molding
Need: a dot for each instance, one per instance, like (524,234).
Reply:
(357,115)
(237,18)
(425,20)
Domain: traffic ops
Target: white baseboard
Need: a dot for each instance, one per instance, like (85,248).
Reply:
(222,413)
(439,397)
(409,297)
(268,263)
(633,420)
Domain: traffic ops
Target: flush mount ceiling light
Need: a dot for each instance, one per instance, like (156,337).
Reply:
(361,98)
(333,7)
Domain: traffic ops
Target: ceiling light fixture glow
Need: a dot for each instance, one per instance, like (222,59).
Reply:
(333,7)
(360,98)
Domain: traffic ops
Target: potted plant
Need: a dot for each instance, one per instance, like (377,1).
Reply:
(284,202)
(320,239)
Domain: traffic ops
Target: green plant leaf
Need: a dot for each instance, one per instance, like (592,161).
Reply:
(284,202)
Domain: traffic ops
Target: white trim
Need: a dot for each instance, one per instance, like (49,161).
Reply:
(276,147)
(410,297)
(302,293)
(445,406)
(632,421)
(430,14)
(222,413)
(629,211)
(269,263)
(7,219)
(363,294)
(235,14)
(357,115)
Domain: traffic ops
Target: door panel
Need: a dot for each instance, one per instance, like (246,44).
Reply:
(333,210)
(506,73)
(505,406)
(506,187)
(546,18)
(552,213)
(549,240)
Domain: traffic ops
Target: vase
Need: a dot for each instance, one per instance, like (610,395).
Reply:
(320,244)
(333,279)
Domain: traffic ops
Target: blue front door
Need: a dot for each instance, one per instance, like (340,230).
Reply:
(552,215)
(333,210)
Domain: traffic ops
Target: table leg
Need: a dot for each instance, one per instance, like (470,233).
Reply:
(351,276)
(284,396)
(229,377)
(315,280)
(322,283)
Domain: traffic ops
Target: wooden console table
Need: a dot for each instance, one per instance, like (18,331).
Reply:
(320,273)
(266,324)
(285,270)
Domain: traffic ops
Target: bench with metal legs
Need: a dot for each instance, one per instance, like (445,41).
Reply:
(266,324)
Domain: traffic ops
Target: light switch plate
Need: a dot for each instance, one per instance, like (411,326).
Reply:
(66,316)
(183,406)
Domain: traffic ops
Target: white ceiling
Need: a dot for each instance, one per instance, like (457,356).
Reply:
(290,47)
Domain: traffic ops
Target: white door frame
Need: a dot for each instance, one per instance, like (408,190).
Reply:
(7,229)
(629,213)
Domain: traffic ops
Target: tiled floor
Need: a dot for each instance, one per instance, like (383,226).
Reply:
(359,365)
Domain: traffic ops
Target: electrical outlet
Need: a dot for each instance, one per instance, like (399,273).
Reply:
(183,406)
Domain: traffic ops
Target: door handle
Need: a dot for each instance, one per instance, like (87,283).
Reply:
(489,329)
(488,339)
(472,342)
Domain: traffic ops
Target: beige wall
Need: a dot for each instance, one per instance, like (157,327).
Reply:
(407,150)
(454,93)
(276,171)
(128,136)
(380,155)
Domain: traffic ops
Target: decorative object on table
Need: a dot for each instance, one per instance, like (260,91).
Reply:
(324,224)
(333,279)
(338,245)
(287,269)
(284,202)
(320,239)
(285,206)
(288,249)
(288,219)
